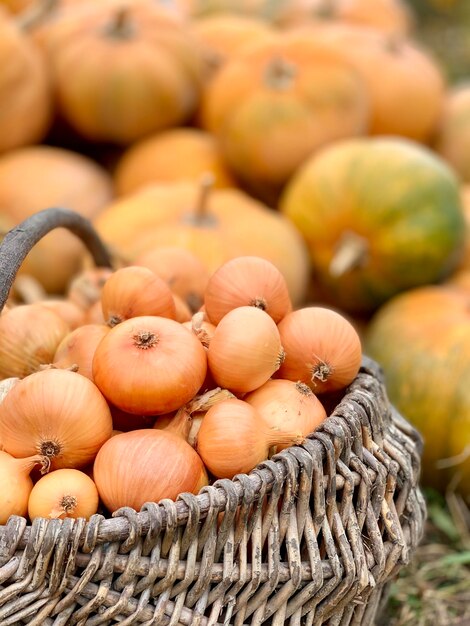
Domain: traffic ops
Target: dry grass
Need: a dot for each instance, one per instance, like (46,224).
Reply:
(435,589)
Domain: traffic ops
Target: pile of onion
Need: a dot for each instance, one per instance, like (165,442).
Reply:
(160,395)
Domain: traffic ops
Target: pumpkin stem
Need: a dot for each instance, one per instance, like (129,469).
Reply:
(394,44)
(280,74)
(351,252)
(120,26)
(35,14)
(200,216)
(325,10)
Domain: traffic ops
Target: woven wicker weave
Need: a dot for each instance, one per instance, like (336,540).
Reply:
(313,536)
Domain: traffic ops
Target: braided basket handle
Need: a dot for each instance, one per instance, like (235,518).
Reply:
(21,239)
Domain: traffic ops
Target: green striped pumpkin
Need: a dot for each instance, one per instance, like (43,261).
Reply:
(380,215)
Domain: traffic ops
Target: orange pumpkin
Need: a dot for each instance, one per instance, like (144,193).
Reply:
(171,155)
(453,136)
(122,72)
(222,224)
(409,101)
(37,177)
(25,95)
(277,102)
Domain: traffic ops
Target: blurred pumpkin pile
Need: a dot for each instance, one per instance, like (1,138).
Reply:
(156,399)
(317,135)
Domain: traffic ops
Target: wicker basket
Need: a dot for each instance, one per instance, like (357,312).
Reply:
(312,536)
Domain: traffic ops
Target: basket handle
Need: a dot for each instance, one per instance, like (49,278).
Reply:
(21,239)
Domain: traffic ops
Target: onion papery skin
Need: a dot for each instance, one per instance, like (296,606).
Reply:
(78,348)
(63,493)
(135,291)
(203,329)
(232,438)
(287,406)
(58,414)
(146,466)
(323,349)
(247,281)
(149,365)
(245,350)
(29,336)
(16,485)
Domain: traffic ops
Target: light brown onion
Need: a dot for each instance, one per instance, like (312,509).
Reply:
(78,348)
(287,407)
(55,413)
(16,484)
(146,466)
(233,438)
(247,281)
(63,493)
(29,336)
(149,365)
(135,291)
(323,349)
(245,350)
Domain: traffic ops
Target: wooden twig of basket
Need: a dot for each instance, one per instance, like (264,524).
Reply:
(313,536)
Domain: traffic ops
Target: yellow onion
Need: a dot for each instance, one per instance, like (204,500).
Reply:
(29,336)
(233,438)
(63,493)
(149,365)
(78,348)
(247,281)
(245,350)
(146,466)
(57,414)
(287,407)
(134,291)
(16,484)
(323,349)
